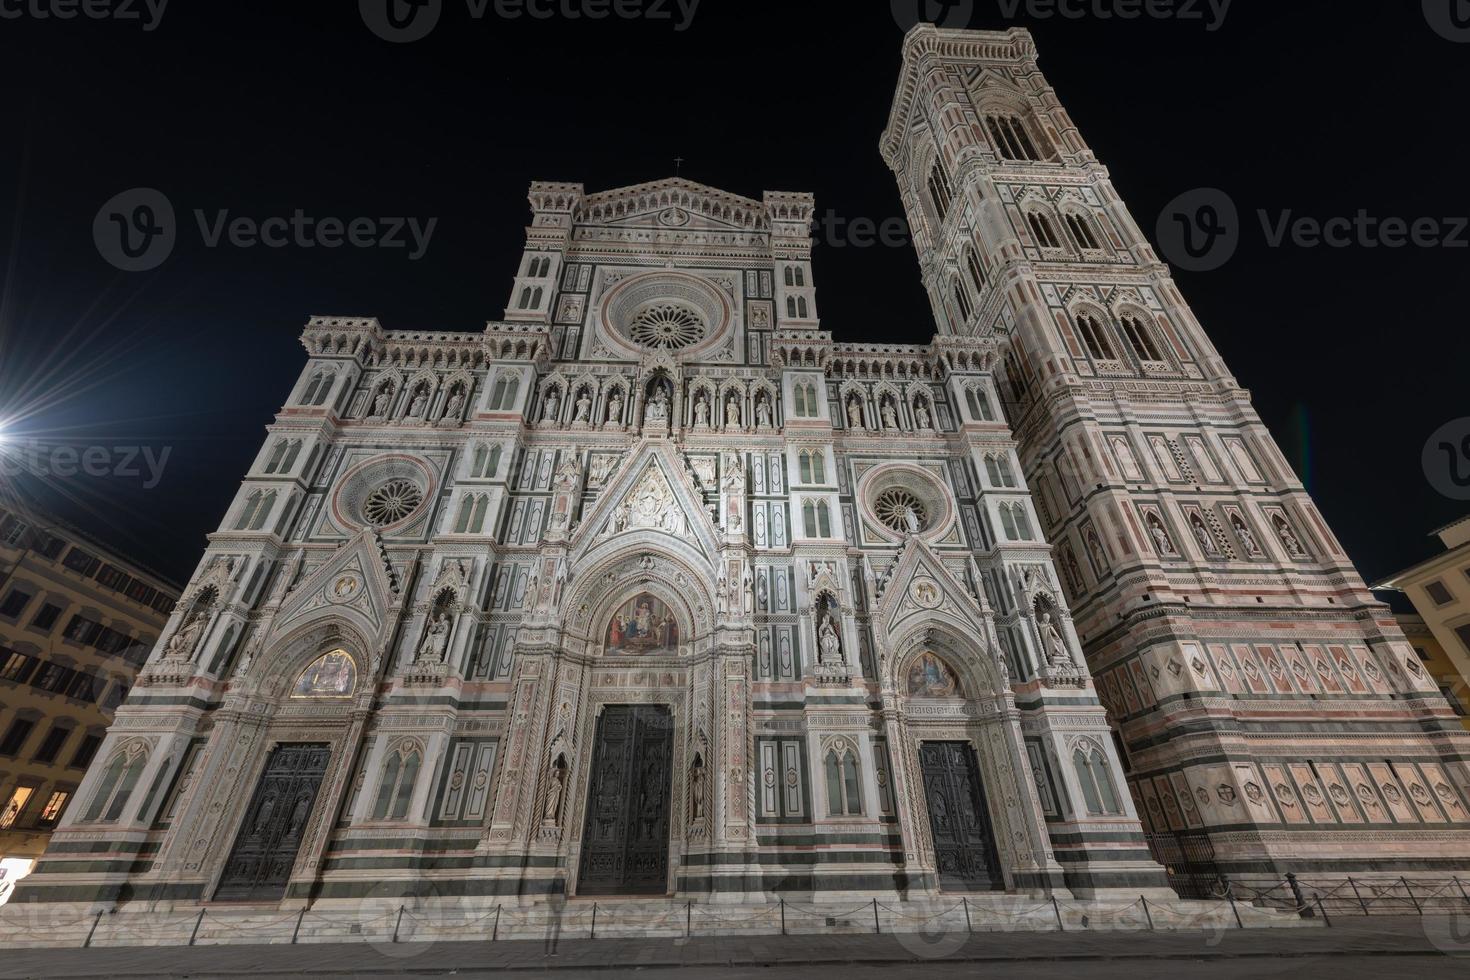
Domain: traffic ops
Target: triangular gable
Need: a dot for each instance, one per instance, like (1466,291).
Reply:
(920,587)
(673,203)
(652,491)
(356,583)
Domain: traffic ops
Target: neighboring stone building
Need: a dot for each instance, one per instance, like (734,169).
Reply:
(653,588)
(76,623)
(1439,589)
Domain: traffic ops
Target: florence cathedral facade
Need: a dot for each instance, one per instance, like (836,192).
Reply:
(653,588)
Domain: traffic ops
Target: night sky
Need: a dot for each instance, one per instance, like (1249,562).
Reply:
(1354,355)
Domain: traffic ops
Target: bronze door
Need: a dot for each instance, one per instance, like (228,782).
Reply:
(964,844)
(625,843)
(265,847)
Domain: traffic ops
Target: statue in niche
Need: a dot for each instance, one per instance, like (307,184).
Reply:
(553,402)
(747,591)
(890,416)
(181,645)
(1160,536)
(1202,534)
(658,406)
(921,416)
(911,519)
(722,595)
(701,410)
(829,645)
(732,411)
(1246,537)
(615,407)
(455,403)
(556,786)
(1289,539)
(1056,647)
(380,403)
(584,406)
(696,789)
(762,412)
(420,400)
(854,413)
(435,644)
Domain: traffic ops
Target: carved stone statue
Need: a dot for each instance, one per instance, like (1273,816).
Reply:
(732,411)
(854,413)
(658,406)
(921,416)
(696,791)
(747,592)
(455,403)
(380,403)
(890,417)
(1161,538)
(762,412)
(911,519)
(1246,537)
(416,409)
(829,644)
(701,410)
(553,403)
(555,787)
(615,407)
(1202,534)
(1056,647)
(584,406)
(1290,540)
(435,644)
(181,644)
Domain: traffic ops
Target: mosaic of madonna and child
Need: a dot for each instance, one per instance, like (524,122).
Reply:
(645,626)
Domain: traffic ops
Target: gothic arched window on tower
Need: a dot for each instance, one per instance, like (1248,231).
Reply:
(396,790)
(844,787)
(962,302)
(119,780)
(800,276)
(791,306)
(977,271)
(1097,781)
(1010,137)
(1081,230)
(1094,335)
(1042,230)
(939,191)
(790,277)
(1140,337)
(801,307)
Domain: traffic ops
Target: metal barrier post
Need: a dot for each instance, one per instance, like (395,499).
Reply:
(688,919)
(966,902)
(1359,894)
(1410,892)
(1323,910)
(594,920)
(297,931)
(398,923)
(1057,909)
(197,922)
(1146,913)
(495,929)
(1231,895)
(92,931)
(783,916)
(1302,908)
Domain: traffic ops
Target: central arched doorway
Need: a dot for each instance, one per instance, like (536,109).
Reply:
(625,836)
